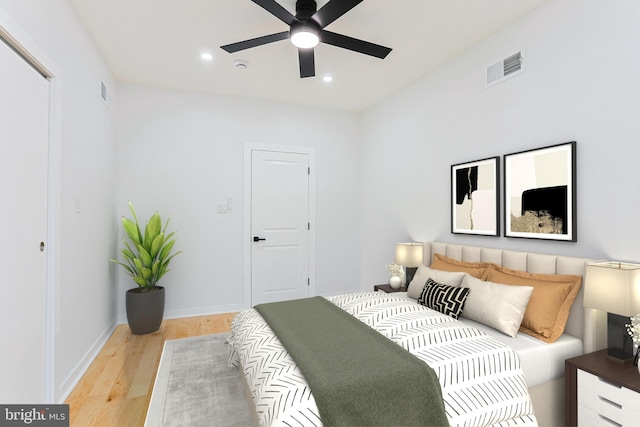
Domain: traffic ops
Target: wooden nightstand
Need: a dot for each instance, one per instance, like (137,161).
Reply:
(601,392)
(388,289)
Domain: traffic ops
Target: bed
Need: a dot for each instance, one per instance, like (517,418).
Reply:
(524,385)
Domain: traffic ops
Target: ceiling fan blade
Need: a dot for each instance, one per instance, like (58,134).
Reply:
(333,10)
(258,41)
(355,45)
(307,63)
(276,10)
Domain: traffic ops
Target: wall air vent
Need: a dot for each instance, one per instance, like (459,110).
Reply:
(502,70)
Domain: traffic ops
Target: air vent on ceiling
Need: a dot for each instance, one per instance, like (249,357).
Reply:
(508,67)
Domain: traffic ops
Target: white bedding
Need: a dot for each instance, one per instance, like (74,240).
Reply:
(481,378)
(541,362)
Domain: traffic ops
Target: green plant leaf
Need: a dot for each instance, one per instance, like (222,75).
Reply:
(140,281)
(135,219)
(164,265)
(166,250)
(128,254)
(145,256)
(151,230)
(133,212)
(161,271)
(131,229)
(156,245)
(138,264)
(169,236)
(126,267)
(164,230)
(126,244)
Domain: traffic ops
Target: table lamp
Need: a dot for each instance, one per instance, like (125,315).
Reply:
(409,255)
(614,287)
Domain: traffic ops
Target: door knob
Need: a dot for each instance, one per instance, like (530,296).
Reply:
(257,239)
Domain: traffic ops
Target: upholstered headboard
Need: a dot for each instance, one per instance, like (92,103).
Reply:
(586,323)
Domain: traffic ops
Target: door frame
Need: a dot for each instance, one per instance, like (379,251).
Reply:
(249,148)
(25,46)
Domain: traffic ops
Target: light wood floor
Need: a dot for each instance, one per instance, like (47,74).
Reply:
(116,389)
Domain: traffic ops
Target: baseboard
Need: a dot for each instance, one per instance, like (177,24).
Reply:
(193,312)
(68,384)
(204,311)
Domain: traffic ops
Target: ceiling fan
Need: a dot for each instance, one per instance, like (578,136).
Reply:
(306,30)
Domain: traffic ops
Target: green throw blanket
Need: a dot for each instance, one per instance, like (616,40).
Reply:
(357,376)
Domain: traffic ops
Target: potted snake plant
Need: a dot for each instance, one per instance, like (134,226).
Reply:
(147,256)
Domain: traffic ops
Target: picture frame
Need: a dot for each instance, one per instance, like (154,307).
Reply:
(475,200)
(540,193)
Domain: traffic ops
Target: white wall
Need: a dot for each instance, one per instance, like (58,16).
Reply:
(181,153)
(581,83)
(84,167)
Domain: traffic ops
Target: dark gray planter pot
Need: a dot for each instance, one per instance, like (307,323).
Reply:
(145,309)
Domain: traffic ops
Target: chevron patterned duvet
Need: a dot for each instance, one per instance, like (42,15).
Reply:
(481,379)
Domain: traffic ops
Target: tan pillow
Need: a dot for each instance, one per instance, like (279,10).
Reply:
(476,269)
(550,302)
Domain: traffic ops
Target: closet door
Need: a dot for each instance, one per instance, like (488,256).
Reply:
(24,122)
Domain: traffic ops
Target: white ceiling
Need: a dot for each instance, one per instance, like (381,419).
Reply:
(158,42)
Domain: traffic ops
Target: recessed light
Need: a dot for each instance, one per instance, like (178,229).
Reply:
(206,57)
(327,79)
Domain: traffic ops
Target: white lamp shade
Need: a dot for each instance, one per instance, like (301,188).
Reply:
(613,287)
(409,254)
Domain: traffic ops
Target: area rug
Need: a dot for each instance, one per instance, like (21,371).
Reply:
(195,387)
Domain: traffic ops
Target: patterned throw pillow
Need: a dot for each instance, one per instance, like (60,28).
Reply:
(443,298)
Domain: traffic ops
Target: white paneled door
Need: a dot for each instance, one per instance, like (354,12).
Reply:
(280,226)
(24,124)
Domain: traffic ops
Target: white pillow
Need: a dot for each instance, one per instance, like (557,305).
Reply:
(496,305)
(443,277)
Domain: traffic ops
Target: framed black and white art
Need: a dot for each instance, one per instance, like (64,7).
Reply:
(540,193)
(475,198)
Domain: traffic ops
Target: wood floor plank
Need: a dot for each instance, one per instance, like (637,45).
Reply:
(142,382)
(116,389)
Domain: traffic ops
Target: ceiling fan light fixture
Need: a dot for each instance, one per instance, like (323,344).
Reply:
(304,36)
(306,30)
